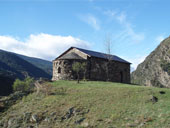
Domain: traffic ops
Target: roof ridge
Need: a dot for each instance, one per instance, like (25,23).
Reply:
(93,51)
(101,55)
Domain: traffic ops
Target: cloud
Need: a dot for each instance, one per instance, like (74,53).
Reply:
(91,20)
(122,18)
(42,45)
(109,13)
(128,33)
(136,61)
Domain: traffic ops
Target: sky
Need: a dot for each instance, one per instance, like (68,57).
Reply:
(46,28)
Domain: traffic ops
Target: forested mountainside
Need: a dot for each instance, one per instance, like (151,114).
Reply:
(12,66)
(40,63)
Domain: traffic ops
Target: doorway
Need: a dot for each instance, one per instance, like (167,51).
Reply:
(121,77)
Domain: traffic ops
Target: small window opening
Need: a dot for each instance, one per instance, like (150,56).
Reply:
(59,70)
(56,63)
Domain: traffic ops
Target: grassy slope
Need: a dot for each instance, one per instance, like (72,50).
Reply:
(109,105)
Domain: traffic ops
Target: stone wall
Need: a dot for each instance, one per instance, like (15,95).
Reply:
(62,70)
(109,70)
(97,69)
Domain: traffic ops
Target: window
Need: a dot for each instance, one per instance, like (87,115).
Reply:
(59,62)
(59,70)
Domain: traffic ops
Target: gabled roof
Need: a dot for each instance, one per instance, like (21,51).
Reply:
(71,55)
(97,54)
(102,55)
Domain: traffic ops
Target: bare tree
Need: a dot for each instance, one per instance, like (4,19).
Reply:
(108,48)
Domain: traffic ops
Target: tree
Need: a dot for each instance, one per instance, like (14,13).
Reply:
(108,47)
(24,86)
(78,67)
(84,65)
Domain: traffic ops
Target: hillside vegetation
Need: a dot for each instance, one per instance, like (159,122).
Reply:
(91,104)
(5,85)
(12,63)
(42,64)
(12,66)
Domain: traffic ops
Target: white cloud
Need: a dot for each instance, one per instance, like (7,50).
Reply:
(42,45)
(136,61)
(122,18)
(135,37)
(109,13)
(128,33)
(90,20)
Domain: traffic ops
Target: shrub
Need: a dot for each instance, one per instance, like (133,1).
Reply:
(24,86)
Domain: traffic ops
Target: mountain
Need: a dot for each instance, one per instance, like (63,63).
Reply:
(155,70)
(13,66)
(20,67)
(40,63)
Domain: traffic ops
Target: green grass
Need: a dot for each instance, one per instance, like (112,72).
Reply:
(102,104)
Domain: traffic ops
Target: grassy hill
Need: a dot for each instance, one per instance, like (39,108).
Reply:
(93,105)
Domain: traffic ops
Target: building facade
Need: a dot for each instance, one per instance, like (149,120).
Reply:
(99,66)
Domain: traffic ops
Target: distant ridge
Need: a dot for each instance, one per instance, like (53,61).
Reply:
(40,63)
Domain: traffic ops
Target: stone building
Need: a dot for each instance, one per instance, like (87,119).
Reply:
(99,66)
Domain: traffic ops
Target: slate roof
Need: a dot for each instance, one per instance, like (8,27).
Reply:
(71,55)
(90,53)
(102,55)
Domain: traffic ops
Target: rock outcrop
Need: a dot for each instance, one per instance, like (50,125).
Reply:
(155,70)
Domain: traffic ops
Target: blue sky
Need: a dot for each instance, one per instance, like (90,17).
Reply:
(45,28)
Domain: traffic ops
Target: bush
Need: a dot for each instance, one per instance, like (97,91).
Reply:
(24,86)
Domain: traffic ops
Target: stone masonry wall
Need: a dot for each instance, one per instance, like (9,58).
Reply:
(62,70)
(96,70)
(118,72)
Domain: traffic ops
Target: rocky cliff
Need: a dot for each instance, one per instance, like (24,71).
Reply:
(155,70)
